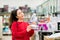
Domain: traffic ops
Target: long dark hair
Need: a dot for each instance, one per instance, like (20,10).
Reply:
(13,17)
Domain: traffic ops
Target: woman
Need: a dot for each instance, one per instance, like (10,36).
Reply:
(20,30)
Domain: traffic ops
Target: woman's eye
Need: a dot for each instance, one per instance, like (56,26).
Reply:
(19,13)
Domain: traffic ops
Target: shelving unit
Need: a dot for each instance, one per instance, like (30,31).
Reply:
(5,21)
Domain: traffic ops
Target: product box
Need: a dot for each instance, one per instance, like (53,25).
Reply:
(47,38)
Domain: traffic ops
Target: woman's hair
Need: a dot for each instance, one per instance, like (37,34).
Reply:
(13,17)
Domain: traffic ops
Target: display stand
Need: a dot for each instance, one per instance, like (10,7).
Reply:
(43,33)
(40,34)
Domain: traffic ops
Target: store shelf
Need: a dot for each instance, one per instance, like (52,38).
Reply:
(7,34)
(4,13)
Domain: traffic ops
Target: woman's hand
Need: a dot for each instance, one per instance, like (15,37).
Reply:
(28,28)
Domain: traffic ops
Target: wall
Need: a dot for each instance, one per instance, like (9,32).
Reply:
(50,6)
(16,3)
(1,26)
(58,5)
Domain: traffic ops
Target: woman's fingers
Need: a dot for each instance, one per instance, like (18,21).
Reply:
(29,28)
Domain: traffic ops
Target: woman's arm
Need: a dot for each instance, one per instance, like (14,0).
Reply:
(31,32)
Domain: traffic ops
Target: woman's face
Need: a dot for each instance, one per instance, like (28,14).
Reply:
(20,14)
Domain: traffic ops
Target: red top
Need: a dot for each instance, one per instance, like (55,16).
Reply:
(19,31)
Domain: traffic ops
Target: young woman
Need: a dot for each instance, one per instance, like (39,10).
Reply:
(20,30)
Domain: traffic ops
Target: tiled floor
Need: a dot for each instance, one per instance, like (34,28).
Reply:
(6,38)
(10,38)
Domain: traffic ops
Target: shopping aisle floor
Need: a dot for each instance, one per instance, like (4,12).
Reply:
(10,37)
(6,38)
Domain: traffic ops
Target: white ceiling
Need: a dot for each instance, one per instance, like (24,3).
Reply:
(31,3)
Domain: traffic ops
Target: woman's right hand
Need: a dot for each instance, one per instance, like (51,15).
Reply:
(28,28)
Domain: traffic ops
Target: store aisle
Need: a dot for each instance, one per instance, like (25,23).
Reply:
(10,38)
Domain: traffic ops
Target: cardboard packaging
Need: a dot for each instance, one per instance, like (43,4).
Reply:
(47,38)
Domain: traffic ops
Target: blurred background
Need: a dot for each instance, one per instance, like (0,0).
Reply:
(42,9)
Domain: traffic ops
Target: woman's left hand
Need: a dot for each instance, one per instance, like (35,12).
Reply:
(28,28)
